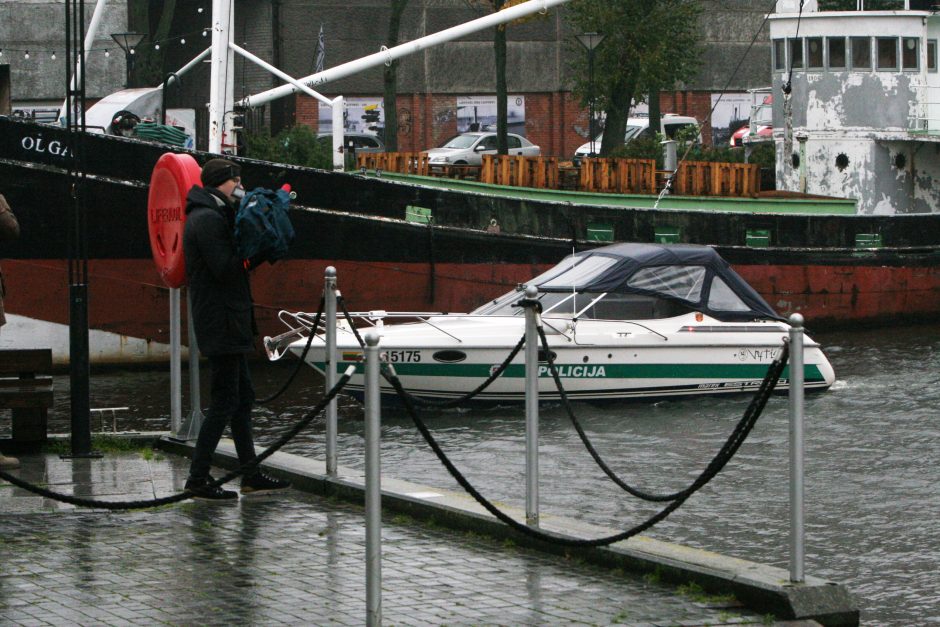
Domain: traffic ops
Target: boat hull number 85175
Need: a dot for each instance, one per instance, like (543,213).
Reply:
(411,357)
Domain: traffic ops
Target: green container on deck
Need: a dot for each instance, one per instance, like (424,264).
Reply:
(666,235)
(420,215)
(600,232)
(868,240)
(758,238)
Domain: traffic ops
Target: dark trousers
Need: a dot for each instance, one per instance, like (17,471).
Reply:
(232,398)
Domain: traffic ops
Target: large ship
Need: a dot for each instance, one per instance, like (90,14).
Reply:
(872,259)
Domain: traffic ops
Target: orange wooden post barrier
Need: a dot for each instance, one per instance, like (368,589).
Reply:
(488,170)
(586,182)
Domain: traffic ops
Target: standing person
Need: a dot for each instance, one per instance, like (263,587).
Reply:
(224,323)
(9,230)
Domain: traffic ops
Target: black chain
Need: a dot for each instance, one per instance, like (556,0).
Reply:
(724,455)
(186,494)
(300,361)
(646,496)
(473,393)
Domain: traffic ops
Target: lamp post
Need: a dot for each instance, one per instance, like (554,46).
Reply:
(128,42)
(590,41)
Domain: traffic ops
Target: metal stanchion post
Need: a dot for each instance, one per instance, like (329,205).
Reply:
(373,484)
(176,386)
(193,423)
(531,411)
(329,366)
(796,448)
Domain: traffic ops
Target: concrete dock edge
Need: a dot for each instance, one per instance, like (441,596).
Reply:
(761,588)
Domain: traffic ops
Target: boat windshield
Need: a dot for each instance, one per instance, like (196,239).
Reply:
(649,293)
(590,306)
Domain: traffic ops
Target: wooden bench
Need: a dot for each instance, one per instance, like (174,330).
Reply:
(26,389)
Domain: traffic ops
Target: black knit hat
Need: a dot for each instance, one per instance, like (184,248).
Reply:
(217,171)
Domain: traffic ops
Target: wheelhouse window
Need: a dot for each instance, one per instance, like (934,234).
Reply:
(931,55)
(780,54)
(887,53)
(836,50)
(814,53)
(861,53)
(796,53)
(910,53)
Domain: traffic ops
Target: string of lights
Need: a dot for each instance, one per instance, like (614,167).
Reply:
(52,54)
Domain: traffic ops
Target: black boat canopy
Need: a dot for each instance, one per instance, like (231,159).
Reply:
(692,276)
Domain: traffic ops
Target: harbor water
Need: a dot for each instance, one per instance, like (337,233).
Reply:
(872,462)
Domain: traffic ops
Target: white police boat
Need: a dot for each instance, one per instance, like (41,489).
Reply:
(623,321)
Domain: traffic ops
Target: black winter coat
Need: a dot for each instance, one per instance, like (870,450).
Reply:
(217,278)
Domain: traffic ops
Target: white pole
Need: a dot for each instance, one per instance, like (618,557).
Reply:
(373,484)
(339,130)
(386,56)
(282,75)
(176,404)
(196,60)
(220,73)
(90,35)
(195,395)
(531,411)
(796,449)
(329,366)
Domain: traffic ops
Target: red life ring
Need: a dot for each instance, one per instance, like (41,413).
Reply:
(172,178)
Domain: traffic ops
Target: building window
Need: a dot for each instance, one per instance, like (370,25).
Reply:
(836,52)
(861,53)
(796,53)
(910,53)
(931,55)
(887,53)
(780,54)
(814,53)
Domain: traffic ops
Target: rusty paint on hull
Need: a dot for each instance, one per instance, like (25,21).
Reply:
(126,298)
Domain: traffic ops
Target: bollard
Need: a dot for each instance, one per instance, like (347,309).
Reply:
(329,367)
(531,410)
(176,374)
(373,483)
(192,425)
(796,448)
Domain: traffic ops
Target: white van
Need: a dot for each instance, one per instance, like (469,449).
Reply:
(639,127)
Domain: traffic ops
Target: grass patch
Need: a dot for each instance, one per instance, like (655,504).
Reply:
(654,578)
(695,592)
(104,444)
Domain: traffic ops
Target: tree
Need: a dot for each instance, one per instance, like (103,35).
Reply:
(390,78)
(155,19)
(648,45)
(499,49)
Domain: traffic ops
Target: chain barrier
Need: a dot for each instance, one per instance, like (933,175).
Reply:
(456,402)
(646,496)
(727,451)
(182,496)
(724,455)
(301,361)
(342,305)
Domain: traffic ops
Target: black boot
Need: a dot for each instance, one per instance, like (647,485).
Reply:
(201,490)
(259,482)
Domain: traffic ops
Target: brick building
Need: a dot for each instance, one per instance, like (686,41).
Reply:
(432,83)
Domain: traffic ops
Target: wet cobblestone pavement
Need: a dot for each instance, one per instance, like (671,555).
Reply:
(289,558)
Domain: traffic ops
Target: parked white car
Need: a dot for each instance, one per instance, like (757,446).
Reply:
(639,127)
(469,148)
